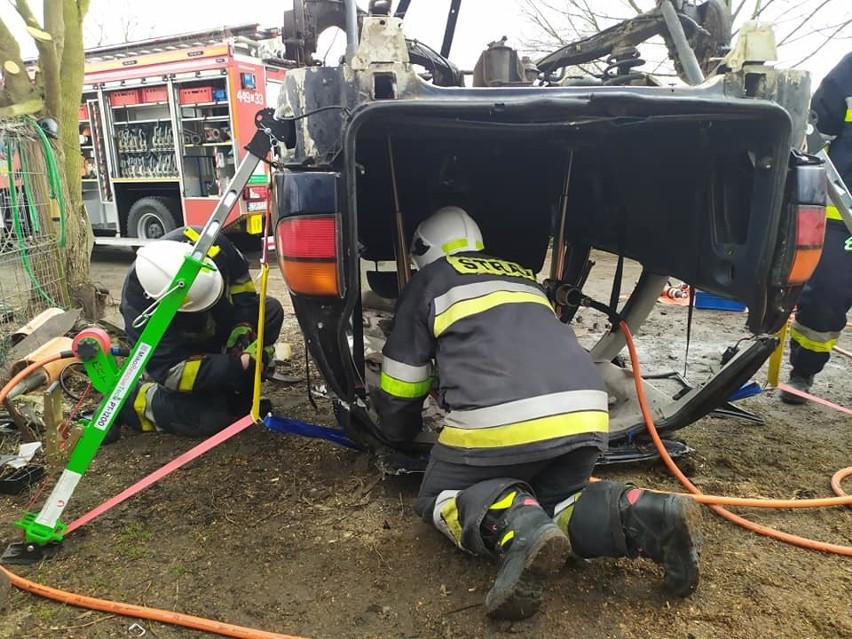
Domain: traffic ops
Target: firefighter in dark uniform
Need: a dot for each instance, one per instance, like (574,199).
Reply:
(527,421)
(201,373)
(827,297)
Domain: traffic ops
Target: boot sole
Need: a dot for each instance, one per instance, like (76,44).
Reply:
(795,400)
(688,539)
(521,597)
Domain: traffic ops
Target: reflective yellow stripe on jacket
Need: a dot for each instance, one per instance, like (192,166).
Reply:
(405,380)
(528,421)
(471,299)
(530,432)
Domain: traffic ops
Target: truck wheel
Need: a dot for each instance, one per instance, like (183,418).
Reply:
(152,217)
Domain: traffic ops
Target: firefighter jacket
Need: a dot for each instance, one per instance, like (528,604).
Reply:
(517,384)
(832,103)
(191,356)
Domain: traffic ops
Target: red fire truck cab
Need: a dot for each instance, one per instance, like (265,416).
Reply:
(163,123)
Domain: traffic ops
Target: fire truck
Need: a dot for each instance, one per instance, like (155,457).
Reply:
(163,123)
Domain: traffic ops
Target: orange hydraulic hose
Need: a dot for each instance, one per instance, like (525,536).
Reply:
(29,369)
(141,612)
(838,477)
(794,540)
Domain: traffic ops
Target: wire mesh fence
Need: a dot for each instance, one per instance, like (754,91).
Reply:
(31,262)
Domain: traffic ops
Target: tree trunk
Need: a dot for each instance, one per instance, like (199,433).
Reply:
(79,238)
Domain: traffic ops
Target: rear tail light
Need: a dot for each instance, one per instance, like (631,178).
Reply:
(307,254)
(810,233)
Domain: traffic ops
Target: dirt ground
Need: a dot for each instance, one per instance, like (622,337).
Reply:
(302,537)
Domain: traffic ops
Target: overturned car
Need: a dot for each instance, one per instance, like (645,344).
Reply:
(702,181)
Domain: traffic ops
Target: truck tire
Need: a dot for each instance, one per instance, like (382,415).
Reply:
(151,218)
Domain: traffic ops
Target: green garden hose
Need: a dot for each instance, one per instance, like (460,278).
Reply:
(53,176)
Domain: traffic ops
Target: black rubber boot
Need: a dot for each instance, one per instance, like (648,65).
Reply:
(611,520)
(664,528)
(800,383)
(528,545)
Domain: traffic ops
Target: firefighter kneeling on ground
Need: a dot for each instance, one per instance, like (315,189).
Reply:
(202,371)
(527,421)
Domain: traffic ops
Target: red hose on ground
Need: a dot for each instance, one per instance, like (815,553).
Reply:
(794,540)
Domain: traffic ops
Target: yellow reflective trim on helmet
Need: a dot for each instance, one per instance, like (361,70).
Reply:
(453,245)
(466,308)
(504,503)
(811,344)
(405,390)
(450,515)
(188,375)
(528,432)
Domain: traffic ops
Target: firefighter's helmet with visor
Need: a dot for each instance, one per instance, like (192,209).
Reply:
(447,231)
(157,264)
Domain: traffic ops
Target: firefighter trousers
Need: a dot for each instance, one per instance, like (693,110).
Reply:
(823,304)
(456,497)
(152,406)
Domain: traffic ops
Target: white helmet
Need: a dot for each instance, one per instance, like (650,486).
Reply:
(447,231)
(157,264)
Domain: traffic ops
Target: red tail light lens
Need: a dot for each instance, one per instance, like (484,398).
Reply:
(307,254)
(308,237)
(810,233)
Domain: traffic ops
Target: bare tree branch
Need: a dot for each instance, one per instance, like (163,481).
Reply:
(806,20)
(840,28)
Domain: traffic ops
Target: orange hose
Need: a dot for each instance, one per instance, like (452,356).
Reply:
(794,540)
(838,477)
(29,369)
(141,612)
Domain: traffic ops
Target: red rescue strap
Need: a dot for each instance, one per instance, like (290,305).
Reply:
(223,435)
(814,398)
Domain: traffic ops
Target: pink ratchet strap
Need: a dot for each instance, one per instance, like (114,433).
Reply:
(814,398)
(223,435)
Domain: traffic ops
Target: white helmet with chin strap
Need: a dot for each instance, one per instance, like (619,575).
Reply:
(157,264)
(447,231)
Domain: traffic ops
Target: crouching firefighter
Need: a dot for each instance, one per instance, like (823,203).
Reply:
(527,421)
(201,374)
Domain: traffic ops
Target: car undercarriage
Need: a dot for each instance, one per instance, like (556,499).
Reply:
(701,180)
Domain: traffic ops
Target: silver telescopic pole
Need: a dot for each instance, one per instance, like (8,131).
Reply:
(351,28)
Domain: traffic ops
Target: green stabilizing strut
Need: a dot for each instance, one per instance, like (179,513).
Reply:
(45,527)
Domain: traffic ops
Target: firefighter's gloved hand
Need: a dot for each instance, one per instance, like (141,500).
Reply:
(241,337)
(265,355)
